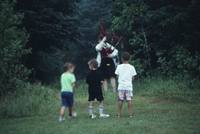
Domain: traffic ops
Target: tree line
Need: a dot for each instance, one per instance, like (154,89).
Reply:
(162,35)
(37,37)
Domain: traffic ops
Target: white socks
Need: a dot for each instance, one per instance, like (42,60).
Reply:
(90,109)
(101,108)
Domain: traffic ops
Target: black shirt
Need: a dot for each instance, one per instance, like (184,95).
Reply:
(94,80)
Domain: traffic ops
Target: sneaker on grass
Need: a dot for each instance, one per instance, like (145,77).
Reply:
(93,116)
(104,115)
(61,119)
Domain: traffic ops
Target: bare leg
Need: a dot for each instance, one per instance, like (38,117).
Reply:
(70,111)
(113,83)
(130,108)
(120,104)
(105,85)
(62,111)
(73,110)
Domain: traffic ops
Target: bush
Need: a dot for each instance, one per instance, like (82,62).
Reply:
(12,43)
(30,100)
(169,88)
(181,62)
(38,99)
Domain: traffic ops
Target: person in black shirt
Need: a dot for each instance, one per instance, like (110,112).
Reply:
(95,81)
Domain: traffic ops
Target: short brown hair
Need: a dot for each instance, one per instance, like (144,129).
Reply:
(68,65)
(126,56)
(93,63)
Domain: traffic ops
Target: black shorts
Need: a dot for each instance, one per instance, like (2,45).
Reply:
(95,95)
(107,68)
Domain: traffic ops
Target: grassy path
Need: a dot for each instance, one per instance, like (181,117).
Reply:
(152,116)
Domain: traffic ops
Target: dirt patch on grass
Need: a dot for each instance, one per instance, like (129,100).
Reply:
(157,100)
(162,101)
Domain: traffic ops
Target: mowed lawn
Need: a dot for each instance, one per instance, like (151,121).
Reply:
(153,115)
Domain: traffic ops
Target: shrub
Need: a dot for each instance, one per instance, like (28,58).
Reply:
(12,43)
(30,100)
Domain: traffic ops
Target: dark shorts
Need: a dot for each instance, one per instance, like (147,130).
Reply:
(95,95)
(107,68)
(67,99)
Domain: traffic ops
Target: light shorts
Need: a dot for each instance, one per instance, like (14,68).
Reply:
(125,95)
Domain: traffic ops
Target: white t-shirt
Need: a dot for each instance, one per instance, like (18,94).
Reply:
(125,74)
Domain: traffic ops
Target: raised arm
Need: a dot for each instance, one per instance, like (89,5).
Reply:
(100,45)
(115,51)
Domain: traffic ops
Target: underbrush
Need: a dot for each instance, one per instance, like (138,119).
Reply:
(37,99)
(169,88)
(33,99)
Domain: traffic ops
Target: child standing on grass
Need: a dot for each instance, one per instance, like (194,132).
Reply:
(125,73)
(67,84)
(95,81)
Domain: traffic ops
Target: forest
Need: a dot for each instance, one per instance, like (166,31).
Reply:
(38,36)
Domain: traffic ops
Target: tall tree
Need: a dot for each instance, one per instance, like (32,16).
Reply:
(51,24)
(13,38)
(161,34)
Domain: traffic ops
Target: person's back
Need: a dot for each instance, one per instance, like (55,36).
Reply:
(125,73)
(94,80)
(67,80)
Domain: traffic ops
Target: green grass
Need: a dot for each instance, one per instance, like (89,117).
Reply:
(155,113)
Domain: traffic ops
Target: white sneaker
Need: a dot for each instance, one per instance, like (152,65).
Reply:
(61,119)
(74,114)
(104,115)
(93,116)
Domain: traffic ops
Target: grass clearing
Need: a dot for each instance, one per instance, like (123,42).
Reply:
(154,114)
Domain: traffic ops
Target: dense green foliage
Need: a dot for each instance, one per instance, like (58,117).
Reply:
(53,32)
(60,31)
(32,99)
(13,39)
(162,35)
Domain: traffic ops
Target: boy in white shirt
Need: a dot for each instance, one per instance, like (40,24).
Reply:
(125,73)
